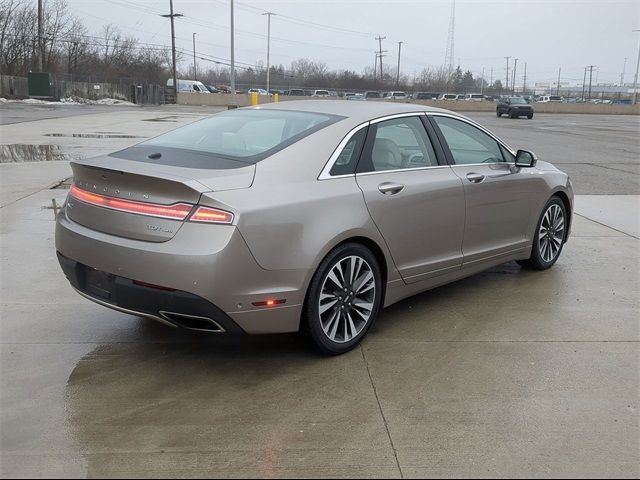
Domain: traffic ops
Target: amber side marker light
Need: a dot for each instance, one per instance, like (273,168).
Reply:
(269,303)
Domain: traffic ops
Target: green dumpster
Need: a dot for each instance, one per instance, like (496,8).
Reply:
(40,85)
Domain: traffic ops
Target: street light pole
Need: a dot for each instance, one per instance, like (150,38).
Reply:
(268,14)
(398,75)
(233,63)
(635,80)
(195,73)
(40,49)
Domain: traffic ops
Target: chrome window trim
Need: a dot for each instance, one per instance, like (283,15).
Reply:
(479,127)
(413,169)
(325,175)
(397,115)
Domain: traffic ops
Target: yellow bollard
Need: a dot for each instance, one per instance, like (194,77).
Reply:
(254,98)
(276,97)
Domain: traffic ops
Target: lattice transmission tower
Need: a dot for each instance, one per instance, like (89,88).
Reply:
(448,58)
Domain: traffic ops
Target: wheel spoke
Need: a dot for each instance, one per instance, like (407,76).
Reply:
(334,278)
(326,306)
(362,281)
(333,321)
(368,306)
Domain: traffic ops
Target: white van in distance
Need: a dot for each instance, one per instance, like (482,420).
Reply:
(192,86)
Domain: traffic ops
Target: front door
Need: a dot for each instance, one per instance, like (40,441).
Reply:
(498,194)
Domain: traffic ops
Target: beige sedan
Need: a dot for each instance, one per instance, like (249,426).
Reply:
(305,216)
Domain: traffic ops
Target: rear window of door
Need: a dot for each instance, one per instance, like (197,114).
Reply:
(468,144)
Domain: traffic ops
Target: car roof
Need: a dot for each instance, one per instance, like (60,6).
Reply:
(358,111)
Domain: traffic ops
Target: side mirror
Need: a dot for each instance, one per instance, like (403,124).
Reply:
(525,158)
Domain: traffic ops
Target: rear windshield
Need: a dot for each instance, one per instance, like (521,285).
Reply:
(554,98)
(244,135)
(373,95)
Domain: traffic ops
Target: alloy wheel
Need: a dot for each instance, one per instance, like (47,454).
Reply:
(551,233)
(347,299)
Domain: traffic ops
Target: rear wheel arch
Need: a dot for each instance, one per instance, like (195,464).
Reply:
(377,252)
(368,243)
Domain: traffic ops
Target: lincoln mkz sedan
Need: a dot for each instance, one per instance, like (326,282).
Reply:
(306,216)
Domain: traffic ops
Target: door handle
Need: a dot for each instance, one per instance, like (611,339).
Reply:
(389,188)
(475,177)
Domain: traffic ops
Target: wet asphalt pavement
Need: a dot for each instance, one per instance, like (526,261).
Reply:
(508,373)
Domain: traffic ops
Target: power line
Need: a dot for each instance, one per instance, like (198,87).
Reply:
(300,21)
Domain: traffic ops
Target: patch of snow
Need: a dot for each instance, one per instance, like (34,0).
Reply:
(73,100)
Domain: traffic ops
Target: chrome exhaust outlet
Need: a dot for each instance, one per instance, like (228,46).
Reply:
(192,322)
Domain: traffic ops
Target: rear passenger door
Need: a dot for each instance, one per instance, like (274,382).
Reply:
(416,201)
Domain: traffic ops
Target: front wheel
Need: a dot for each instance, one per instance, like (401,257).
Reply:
(498,114)
(549,238)
(344,299)
(530,116)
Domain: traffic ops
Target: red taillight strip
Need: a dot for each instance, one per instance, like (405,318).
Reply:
(177,211)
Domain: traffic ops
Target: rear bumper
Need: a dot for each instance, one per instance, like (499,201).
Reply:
(171,307)
(209,268)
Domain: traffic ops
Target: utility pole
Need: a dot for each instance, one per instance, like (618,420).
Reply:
(233,63)
(524,80)
(375,71)
(635,80)
(398,75)
(195,73)
(506,85)
(513,82)
(171,16)
(624,69)
(558,85)
(268,14)
(380,38)
(590,67)
(40,44)
(482,82)
(584,83)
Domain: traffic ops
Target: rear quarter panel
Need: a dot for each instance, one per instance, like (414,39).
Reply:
(289,218)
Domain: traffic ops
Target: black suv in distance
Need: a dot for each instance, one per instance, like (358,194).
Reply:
(514,107)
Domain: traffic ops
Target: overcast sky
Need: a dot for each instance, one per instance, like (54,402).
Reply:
(546,34)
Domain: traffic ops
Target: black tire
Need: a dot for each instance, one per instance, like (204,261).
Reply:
(511,114)
(498,113)
(530,116)
(537,261)
(312,318)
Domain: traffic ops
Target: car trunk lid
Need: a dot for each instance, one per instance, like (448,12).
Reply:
(142,200)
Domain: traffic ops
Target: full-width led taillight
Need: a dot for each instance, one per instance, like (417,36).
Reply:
(177,211)
(211,215)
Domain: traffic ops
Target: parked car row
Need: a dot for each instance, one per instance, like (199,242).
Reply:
(195,86)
